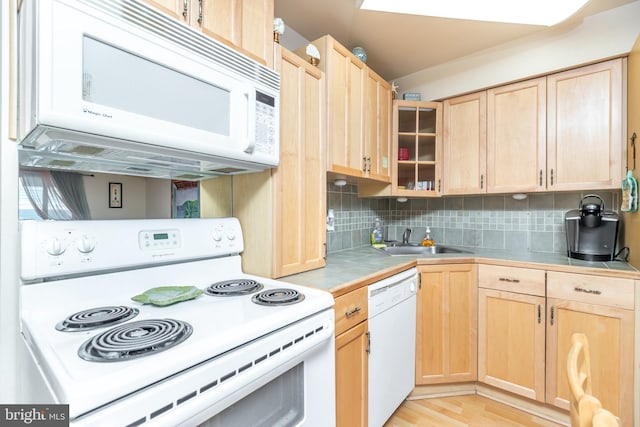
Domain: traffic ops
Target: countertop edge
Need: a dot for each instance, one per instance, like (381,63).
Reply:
(350,270)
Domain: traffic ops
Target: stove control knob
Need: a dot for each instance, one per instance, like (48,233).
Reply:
(55,247)
(217,236)
(85,244)
(231,235)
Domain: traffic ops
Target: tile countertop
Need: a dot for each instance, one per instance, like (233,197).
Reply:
(350,269)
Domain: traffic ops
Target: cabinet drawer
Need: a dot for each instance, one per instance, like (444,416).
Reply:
(607,291)
(512,279)
(351,309)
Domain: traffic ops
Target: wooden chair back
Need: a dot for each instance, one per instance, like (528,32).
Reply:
(579,375)
(592,414)
(585,409)
(604,418)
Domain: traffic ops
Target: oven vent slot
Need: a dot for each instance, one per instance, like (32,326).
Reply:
(244,367)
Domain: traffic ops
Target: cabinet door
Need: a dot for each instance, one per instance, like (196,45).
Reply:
(516,137)
(447,313)
(584,127)
(256,33)
(377,128)
(299,178)
(511,342)
(178,9)
(218,18)
(246,24)
(465,144)
(351,377)
(345,79)
(610,335)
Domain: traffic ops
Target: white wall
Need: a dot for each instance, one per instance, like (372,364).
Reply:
(133,196)
(158,198)
(608,34)
(9,247)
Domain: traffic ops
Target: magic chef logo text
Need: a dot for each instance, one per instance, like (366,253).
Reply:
(36,415)
(95,113)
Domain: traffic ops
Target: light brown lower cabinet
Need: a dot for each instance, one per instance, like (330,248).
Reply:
(511,329)
(446,341)
(351,377)
(603,309)
(524,337)
(352,343)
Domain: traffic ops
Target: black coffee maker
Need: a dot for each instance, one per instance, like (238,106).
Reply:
(592,232)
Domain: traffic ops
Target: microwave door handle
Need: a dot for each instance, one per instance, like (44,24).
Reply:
(250,102)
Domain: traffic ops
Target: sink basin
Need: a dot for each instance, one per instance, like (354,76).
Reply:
(421,250)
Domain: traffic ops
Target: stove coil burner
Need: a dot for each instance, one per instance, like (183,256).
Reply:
(98,317)
(135,339)
(234,287)
(280,296)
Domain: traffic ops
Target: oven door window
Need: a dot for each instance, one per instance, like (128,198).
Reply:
(115,78)
(279,403)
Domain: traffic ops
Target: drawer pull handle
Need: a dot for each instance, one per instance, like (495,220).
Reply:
(352,312)
(539,313)
(587,291)
(506,279)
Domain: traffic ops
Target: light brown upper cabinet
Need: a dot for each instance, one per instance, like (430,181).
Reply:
(416,148)
(585,116)
(416,153)
(244,24)
(516,137)
(358,114)
(465,144)
(282,210)
(554,133)
(377,126)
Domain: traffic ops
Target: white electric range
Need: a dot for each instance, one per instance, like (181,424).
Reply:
(215,359)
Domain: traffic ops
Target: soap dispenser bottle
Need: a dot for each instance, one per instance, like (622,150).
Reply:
(427,240)
(376,234)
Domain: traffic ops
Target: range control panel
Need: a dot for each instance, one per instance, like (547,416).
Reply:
(61,248)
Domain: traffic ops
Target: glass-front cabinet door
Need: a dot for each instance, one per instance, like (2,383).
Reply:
(417,152)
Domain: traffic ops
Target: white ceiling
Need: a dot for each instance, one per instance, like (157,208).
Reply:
(398,45)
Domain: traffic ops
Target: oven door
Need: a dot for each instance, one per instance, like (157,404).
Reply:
(286,378)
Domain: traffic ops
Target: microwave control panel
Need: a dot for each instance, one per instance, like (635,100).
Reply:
(266,122)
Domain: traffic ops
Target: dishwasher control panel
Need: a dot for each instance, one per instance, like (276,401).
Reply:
(392,290)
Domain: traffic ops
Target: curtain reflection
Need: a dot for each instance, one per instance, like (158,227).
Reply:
(56,195)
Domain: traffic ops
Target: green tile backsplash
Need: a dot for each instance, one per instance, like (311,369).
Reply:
(535,224)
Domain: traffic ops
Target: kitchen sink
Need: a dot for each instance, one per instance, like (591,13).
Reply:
(421,250)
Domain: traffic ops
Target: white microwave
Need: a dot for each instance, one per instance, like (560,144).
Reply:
(116,86)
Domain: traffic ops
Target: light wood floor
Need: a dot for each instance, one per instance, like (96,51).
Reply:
(459,411)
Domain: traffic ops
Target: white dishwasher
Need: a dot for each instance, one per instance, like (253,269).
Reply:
(392,348)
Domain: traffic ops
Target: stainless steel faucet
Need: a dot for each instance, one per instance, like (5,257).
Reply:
(405,236)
